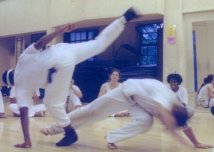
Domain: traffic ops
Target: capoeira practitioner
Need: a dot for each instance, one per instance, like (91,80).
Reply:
(55,65)
(175,81)
(144,98)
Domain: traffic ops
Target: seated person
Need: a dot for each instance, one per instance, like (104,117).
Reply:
(36,110)
(175,81)
(112,84)
(146,99)
(74,95)
(205,94)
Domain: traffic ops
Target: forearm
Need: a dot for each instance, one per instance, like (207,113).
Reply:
(48,38)
(189,133)
(180,138)
(77,93)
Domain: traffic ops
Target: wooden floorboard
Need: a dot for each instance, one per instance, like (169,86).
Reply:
(91,138)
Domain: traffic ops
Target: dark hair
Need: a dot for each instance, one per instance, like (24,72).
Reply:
(180,114)
(212,110)
(114,70)
(8,77)
(176,77)
(207,80)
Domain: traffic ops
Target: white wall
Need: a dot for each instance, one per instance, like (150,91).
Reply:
(190,19)
(174,54)
(179,57)
(205,53)
(23,16)
(197,5)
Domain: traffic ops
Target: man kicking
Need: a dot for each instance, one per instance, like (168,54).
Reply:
(144,98)
(52,69)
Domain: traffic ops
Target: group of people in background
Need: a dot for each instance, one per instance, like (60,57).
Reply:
(205,98)
(142,99)
(38,109)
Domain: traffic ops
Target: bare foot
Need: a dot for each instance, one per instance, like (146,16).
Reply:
(78,106)
(203,146)
(112,146)
(45,131)
(24,145)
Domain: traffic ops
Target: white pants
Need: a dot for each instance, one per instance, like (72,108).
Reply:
(1,103)
(101,108)
(32,110)
(56,92)
(207,103)
(141,122)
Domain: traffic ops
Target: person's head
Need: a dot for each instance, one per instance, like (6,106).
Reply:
(180,114)
(8,77)
(209,79)
(174,81)
(114,75)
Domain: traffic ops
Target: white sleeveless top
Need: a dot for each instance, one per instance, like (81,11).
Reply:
(203,93)
(107,86)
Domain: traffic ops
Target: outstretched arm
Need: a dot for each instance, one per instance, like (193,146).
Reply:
(169,121)
(49,37)
(189,133)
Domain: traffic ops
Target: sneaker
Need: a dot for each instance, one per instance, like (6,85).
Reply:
(130,14)
(67,140)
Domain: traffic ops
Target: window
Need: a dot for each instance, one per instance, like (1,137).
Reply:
(80,36)
(149,43)
(37,36)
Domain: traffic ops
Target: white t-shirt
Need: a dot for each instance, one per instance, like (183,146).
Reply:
(31,69)
(182,95)
(107,86)
(12,92)
(73,97)
(203,93)
(148,93)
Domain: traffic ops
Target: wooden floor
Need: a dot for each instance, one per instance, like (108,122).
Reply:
(91,138)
